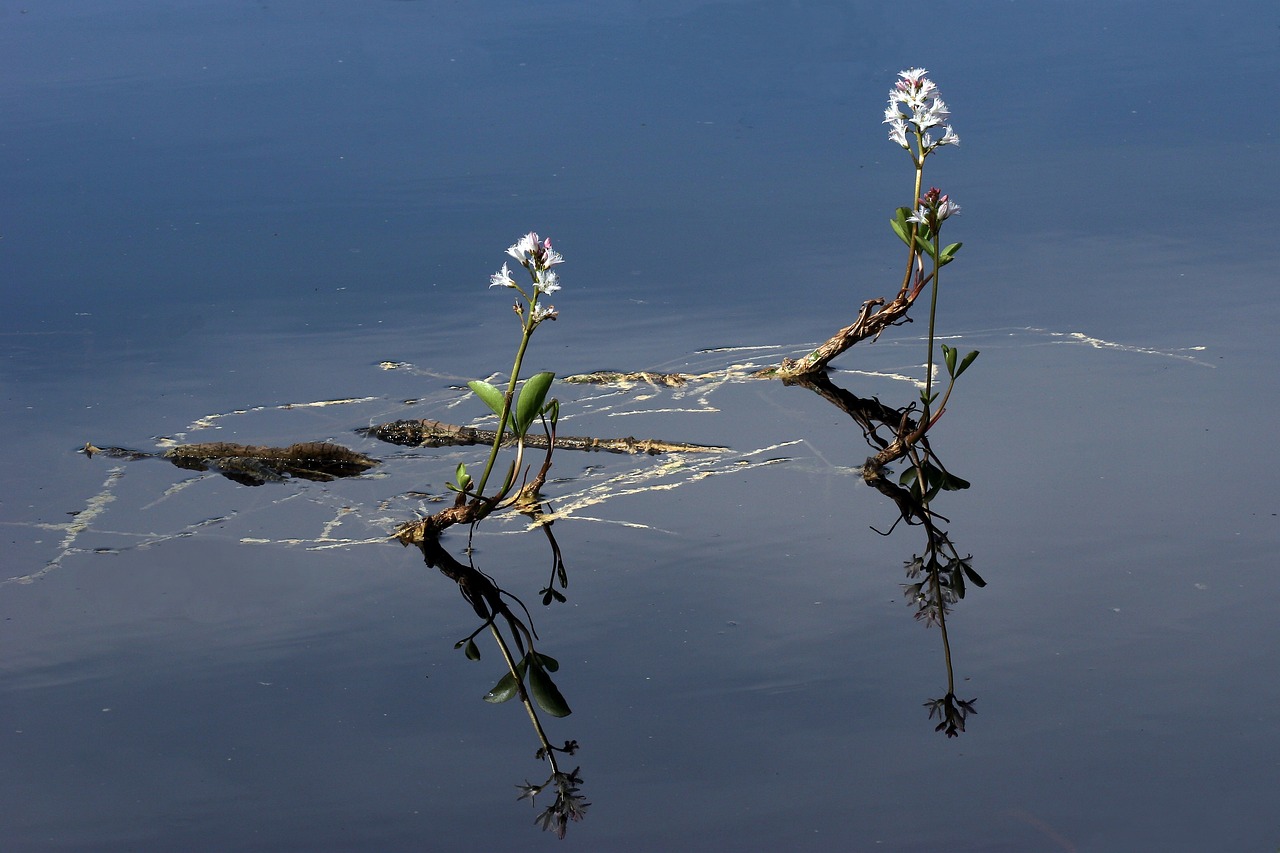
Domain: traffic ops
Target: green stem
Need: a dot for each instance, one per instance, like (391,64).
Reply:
(915,228)
(933,310)
(506,407)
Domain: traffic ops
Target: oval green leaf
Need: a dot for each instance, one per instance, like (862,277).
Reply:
(546,694)
(532,396)
(973,576)
(506,687)
(492,397)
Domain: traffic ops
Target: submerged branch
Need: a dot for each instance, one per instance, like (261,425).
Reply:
(429,433)
(253,465)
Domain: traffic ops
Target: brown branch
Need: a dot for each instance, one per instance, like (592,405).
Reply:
(254,465)
(868,324)
(429,433)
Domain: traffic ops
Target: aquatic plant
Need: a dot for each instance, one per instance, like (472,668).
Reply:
(516,414)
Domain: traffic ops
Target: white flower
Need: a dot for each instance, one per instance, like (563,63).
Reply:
(502,278)
(551,257)
(898,133)
(920,96)
(912,75)
(545,281)
(540,314)
(947,207)
(525,246)
(934,208)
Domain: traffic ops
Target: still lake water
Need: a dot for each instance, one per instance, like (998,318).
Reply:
(212,212)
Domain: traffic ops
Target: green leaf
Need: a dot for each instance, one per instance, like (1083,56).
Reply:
(549,663)
(545,692)
(950,251)
(973,576)
(503,690)
(492,397)
(463,478)
(949,353)
(471,651)
(532,396)
(508,685)
(968,360)
(900,228)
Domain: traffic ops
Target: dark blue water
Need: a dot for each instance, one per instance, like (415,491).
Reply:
(216,217)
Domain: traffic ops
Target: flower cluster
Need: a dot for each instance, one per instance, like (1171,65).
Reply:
(952,712)
(569,804)
(536,256)
(919,95)
(933,207)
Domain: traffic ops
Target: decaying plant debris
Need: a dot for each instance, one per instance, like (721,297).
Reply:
(429,433)
(253,465)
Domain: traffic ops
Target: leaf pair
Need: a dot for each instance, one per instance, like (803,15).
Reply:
(949,354)
(924,238)
(529,405)
(959,571)
(936,480)
(544,690)
(463,481)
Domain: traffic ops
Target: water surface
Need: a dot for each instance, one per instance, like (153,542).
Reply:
(215,213)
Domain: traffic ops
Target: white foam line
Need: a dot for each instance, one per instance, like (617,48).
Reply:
(1099,343)
(703,411)
(207,421)
(94,507)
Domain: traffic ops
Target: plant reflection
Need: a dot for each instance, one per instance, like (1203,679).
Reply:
(528,675)
(938,576)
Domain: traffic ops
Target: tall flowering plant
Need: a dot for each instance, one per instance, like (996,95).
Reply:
(919,123)
(915,114)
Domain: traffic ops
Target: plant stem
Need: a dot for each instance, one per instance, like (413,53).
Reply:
(933,310)
(524,697)
(506,408)
(915,228)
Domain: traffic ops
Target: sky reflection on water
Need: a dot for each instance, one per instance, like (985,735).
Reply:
(225,208)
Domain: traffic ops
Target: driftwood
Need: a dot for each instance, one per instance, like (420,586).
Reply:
(429,433)
(869,324)
(253,465)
